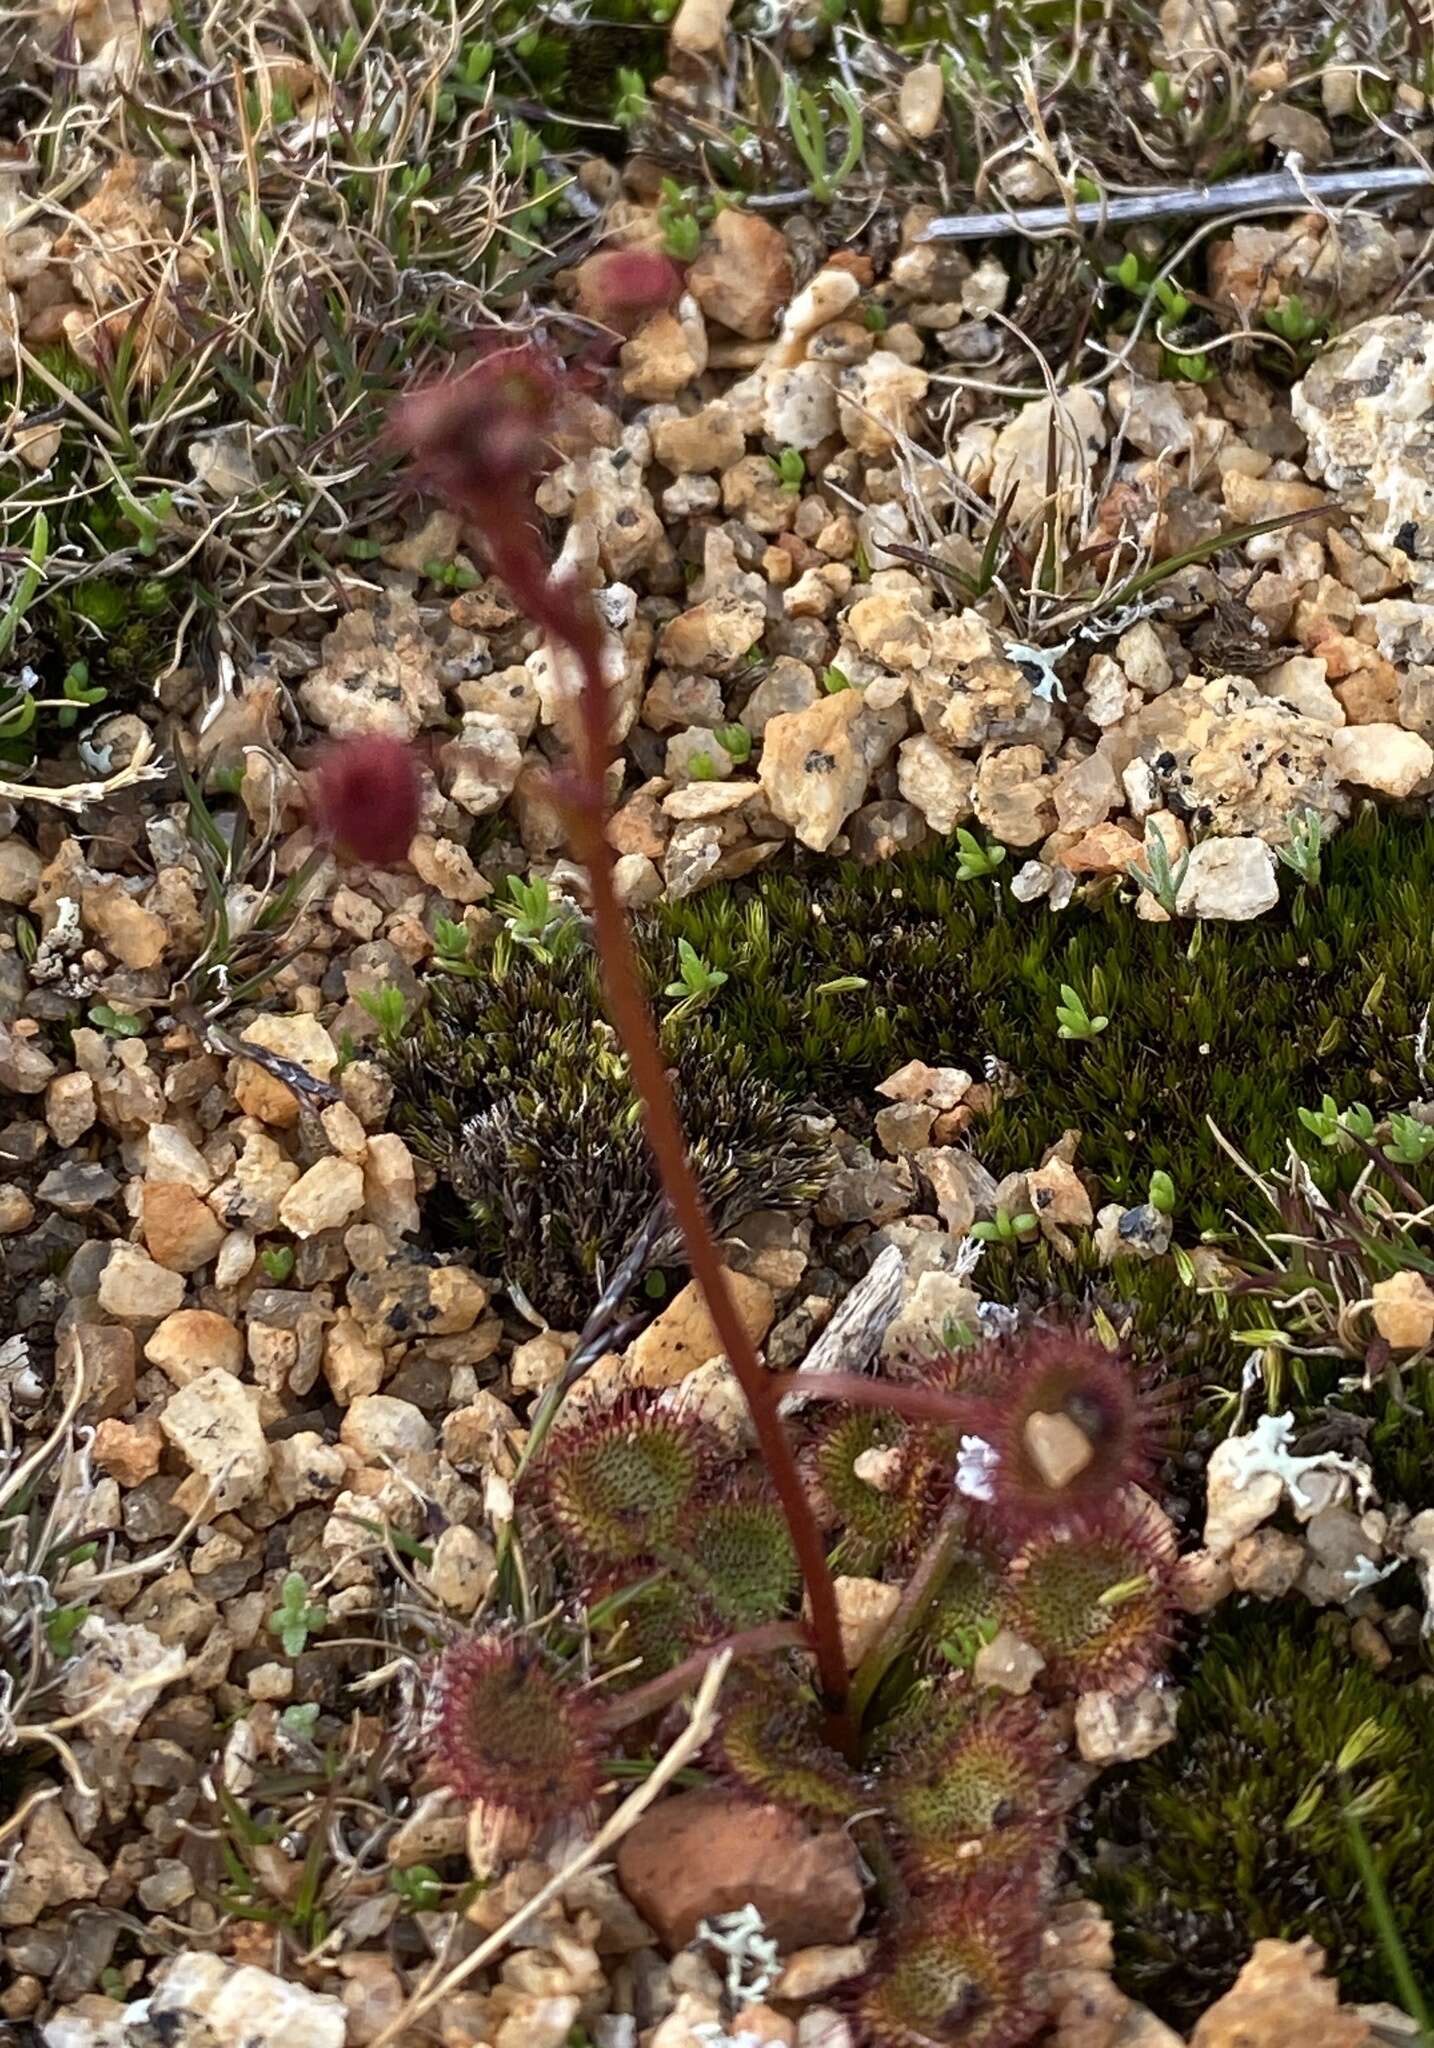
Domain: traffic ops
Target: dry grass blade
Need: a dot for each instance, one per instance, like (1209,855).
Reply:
(76,796)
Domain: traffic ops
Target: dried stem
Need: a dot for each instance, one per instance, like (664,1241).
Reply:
(1271,188)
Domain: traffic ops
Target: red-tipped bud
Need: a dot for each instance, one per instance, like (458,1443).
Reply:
(366,798)
(504,1731)
(480,439)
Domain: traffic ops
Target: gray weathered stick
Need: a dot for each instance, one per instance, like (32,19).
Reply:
(1273,188)
(849,1341)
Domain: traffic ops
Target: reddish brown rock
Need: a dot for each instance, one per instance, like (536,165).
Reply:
(705,1853)
(180,1231)
(743,276)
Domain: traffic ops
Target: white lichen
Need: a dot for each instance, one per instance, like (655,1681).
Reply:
(1265,1450)
(753,1966)
(1366,1573)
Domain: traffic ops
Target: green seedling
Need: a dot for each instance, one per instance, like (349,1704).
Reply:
(1173,308)
(388,1008)
(791,469)
(525,150)
(1334,1126)
(631,101)
(1411,1141)
(62,1625)
(965,1644)
(1073,1019)
(77,690)
(1169,97)
(1162,1192)
(807,123)
(695,977)
(1005,1228)
(1293,321)
(118,1023)
(419,1886)
(702,768)
(147,516)
(676,216)
(278,1262)
(1158,878)
(1302,855)
(976,860)
(452,946)
(452,575)
(736,741)
(296,1617)
(534,917)
(835,679)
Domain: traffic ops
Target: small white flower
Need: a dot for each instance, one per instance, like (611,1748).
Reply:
(975,1469)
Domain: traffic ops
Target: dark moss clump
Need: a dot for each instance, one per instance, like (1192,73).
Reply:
(514,1088)
(1254,1021)
(1236,1831)
(1400,1446)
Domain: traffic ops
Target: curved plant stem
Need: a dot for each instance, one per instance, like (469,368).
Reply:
(918,1404)
(633,1019)
(660,1692)
(478,440)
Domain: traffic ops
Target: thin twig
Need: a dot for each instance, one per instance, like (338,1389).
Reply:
(1272,188)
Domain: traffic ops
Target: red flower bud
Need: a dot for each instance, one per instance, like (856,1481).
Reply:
(480,440)
(366,798)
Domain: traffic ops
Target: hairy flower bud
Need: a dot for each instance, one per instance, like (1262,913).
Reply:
(366,796)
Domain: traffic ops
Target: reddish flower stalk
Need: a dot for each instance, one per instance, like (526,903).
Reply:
(656,1693)
(479,441)
(894,1397)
